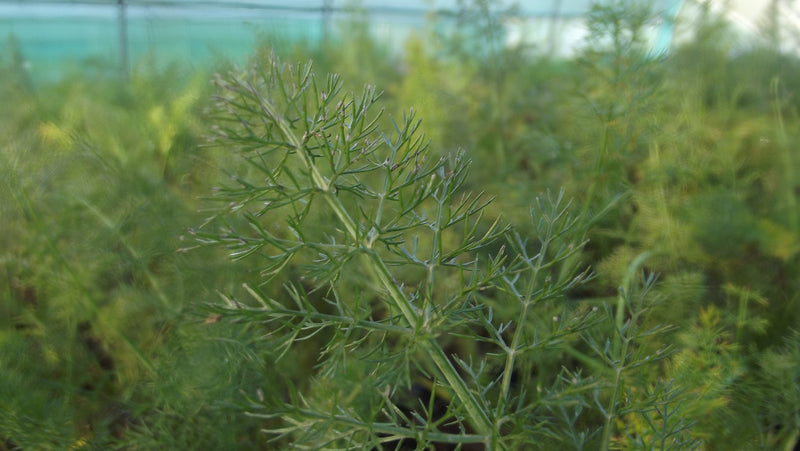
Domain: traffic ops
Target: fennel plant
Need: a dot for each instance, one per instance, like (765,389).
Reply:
(383,254)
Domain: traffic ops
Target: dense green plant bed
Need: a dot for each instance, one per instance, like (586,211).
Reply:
(596,253)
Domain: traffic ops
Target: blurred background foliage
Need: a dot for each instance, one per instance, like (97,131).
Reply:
(689,159)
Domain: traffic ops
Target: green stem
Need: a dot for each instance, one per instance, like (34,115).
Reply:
(109,224)
(476,412)
(622,343)
(788,164)
(598,170)
(633,268)
(526,303)
(612,407)
(390,430)
(473,407)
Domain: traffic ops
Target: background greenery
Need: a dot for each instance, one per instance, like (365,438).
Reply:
(683,169)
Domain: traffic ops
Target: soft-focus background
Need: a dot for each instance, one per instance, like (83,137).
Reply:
(673,124)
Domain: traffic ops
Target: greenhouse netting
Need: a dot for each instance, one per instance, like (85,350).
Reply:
(52,35)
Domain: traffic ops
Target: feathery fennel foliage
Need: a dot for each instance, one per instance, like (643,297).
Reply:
(385,257)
